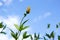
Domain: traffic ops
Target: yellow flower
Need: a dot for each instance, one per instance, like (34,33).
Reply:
(28,10)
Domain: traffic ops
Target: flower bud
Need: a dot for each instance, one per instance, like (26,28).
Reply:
(28,10)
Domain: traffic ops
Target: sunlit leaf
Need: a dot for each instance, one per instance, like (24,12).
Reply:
(52,34)
(21,27)
(25,27)
(17,27)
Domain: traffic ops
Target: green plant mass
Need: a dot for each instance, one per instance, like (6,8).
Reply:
(21,27)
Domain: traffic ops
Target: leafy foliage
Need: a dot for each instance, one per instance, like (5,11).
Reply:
(58,37)
(51,35)
(36,36)
(17,27)
(25,35)
(48,26)
(3,32)
(22,27)
(1,25)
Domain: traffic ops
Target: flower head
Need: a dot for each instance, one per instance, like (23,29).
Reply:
(28,10)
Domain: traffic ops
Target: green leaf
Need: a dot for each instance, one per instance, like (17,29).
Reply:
(35,35)
(48,26)
(3,32)
(38,36)
(57,26)
(31,37)
(1,25)
(16,34)
(17,27)
(21,27)
(58,37)
(4,27)
(25,22)
(52,34)
(13,35)
(25,27)
(48,35)
(44,38)
(25,35)
(11,30)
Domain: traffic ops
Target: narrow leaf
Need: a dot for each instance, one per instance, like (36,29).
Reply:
(31,37)
(11,30)
(48,26)
(17,27)
(25,22)
(21,27)
(48,35)
(56,26)
(4,27)
(13,35)
(52,34)
(1,25)
(25,27)
(58,37)
(44,38)
(38,36)
(25,35)
(35,35)
(3,32)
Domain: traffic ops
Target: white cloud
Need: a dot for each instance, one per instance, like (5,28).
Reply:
(3,37)
(10,21)
(7,2)
(41,17)
(47,14)
(1,3)
(21,0)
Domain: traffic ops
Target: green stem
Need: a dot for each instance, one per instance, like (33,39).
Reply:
(22,20)
(19,32)
(22,38)
(15,39)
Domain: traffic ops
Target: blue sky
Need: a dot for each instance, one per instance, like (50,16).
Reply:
(42,13)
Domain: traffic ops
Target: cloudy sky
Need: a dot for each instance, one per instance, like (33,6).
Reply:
(42,13)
